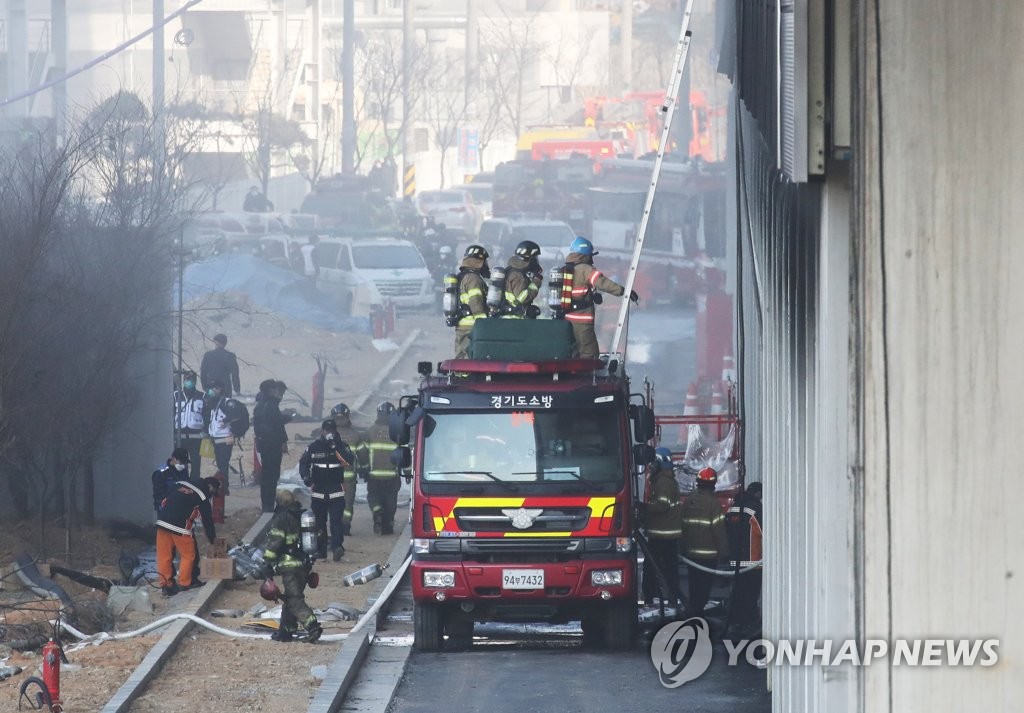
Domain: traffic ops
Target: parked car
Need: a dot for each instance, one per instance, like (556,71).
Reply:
(483,196)
(216,232)
(300,223)
(363,272)
(501,235)
(454,208)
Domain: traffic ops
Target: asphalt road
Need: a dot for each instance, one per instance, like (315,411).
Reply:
(549,670)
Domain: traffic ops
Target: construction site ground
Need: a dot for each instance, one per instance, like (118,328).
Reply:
(210,671)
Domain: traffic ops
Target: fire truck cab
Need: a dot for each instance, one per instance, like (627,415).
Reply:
(525,480)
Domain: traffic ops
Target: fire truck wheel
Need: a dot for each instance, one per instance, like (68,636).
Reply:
(620,626)
(460,633)
(593,632)
(427,626)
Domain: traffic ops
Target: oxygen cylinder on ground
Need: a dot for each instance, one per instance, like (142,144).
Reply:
(450,299)
(366,574)
(307,526)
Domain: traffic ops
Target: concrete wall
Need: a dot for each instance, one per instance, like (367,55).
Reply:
(942,259)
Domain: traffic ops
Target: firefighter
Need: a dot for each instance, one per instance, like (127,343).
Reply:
(356,441)
(268,425)
(586,281)
(523,278)
(382,483)
(188,409)
(704,538)
(472,296)
(322,467)
(744,523)
(283,555)
(663,528)
(178,512)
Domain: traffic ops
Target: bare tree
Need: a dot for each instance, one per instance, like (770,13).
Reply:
(445,109)
(508,50)
(570,56)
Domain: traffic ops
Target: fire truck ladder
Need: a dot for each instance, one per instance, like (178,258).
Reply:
(668,107)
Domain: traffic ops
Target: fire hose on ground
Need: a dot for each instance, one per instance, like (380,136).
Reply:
(102,636)
(719,572)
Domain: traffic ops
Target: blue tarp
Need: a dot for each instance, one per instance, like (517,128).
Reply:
(270,287)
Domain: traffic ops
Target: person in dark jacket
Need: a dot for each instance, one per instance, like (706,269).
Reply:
(283,555)
(382,483)
(356,440)
(271,438)
(704,539)
(177,515)
(322,467)
(744,522)
(177,468)
(188,409)
(472,296)
(523,278)
(586,281)
(662,513)
(220,365)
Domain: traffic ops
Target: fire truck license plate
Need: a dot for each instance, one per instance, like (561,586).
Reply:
(522,579)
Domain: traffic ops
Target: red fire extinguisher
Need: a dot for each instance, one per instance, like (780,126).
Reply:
(52,655)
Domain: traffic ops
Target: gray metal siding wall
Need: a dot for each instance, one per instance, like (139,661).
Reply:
(796,296)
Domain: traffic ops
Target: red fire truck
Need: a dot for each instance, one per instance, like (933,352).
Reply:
(551,189)
(524,490)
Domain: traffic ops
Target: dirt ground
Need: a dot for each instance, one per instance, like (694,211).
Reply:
(223,672)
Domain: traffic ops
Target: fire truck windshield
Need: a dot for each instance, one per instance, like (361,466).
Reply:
(533,449)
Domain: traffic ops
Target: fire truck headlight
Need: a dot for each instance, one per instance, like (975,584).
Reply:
(623,544)
(438,579)
(420,546)
(605,577)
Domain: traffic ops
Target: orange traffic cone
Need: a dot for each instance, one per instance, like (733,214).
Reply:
(690,408)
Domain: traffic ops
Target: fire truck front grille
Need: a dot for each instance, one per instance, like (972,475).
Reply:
(502,519)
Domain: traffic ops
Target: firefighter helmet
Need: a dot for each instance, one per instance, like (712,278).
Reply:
(384,410)
(476,251)
(285,497)
(340,410)
(527,249)
(269,590)
(582,246)
(663,456)
(329,426)
(707,476)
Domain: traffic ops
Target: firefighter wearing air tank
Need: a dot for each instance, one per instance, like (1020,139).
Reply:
(573,295)
(512,293)
(704,539)
(356,440)
(322,467)
(662,515)
(465,297)
(284,555)
(382,481)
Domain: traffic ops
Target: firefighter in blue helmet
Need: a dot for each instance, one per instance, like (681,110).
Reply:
(586,281)
(662,516)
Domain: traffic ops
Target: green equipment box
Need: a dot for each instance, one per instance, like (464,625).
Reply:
(521,339)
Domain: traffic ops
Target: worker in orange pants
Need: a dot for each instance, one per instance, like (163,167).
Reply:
(185,502)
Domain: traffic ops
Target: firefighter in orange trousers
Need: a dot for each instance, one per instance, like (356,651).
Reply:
(662,513)
(472,296)
(704,538)
(183,504)
(586,281)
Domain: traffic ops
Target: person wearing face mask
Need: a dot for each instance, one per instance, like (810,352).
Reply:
(188,409)
(226,421)
(322,468)
(164,478)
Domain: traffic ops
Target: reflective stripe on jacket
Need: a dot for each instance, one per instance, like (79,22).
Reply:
(283,550)
(664,510)
(703,524)
(379,448)
(585,280)
(472,296)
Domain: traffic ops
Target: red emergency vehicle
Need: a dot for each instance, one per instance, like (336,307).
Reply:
(523,496)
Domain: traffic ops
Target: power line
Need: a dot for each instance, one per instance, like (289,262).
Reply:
(102,58)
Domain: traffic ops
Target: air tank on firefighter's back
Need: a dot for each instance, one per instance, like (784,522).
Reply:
(496,289)
(307,526)
(555,279)
(450,300)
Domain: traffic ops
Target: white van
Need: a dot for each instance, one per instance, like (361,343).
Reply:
(365,272)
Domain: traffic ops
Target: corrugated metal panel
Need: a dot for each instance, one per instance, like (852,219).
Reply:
(792,83)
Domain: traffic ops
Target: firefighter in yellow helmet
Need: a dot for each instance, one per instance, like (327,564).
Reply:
(586,281)
(473,273)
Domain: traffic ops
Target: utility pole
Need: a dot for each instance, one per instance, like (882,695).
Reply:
(59,23)
(159,127)
(348,128)
(314,72)
(408,36)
